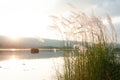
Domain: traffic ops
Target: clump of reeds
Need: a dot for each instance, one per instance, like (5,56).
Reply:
(93,55)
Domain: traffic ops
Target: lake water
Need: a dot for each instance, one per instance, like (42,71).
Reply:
(22,65)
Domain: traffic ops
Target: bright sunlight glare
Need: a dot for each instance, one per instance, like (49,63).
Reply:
(25,18)
(12,61)
(13,50)
(29,30)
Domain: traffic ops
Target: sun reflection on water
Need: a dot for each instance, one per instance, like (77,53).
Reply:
(17,69)
(13,49)
(12,62)
(13,58)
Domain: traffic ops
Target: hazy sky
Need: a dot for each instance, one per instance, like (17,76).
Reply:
(28,18)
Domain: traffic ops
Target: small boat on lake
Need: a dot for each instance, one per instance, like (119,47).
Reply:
(34,50)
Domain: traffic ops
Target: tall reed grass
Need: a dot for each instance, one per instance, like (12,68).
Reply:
(93,56)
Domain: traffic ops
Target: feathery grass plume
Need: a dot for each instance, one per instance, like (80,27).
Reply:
(93,55)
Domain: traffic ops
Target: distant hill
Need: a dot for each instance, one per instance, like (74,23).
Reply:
(6,42)
(117,45)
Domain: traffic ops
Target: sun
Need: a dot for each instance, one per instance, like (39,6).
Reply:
(28,20)
(37,30)
(13,38)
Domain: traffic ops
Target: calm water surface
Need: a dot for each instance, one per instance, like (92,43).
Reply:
(22,65)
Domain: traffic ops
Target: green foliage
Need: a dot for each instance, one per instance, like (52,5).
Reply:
(94,58)
(92,64)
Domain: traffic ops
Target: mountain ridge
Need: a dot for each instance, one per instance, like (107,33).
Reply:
(6,42)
